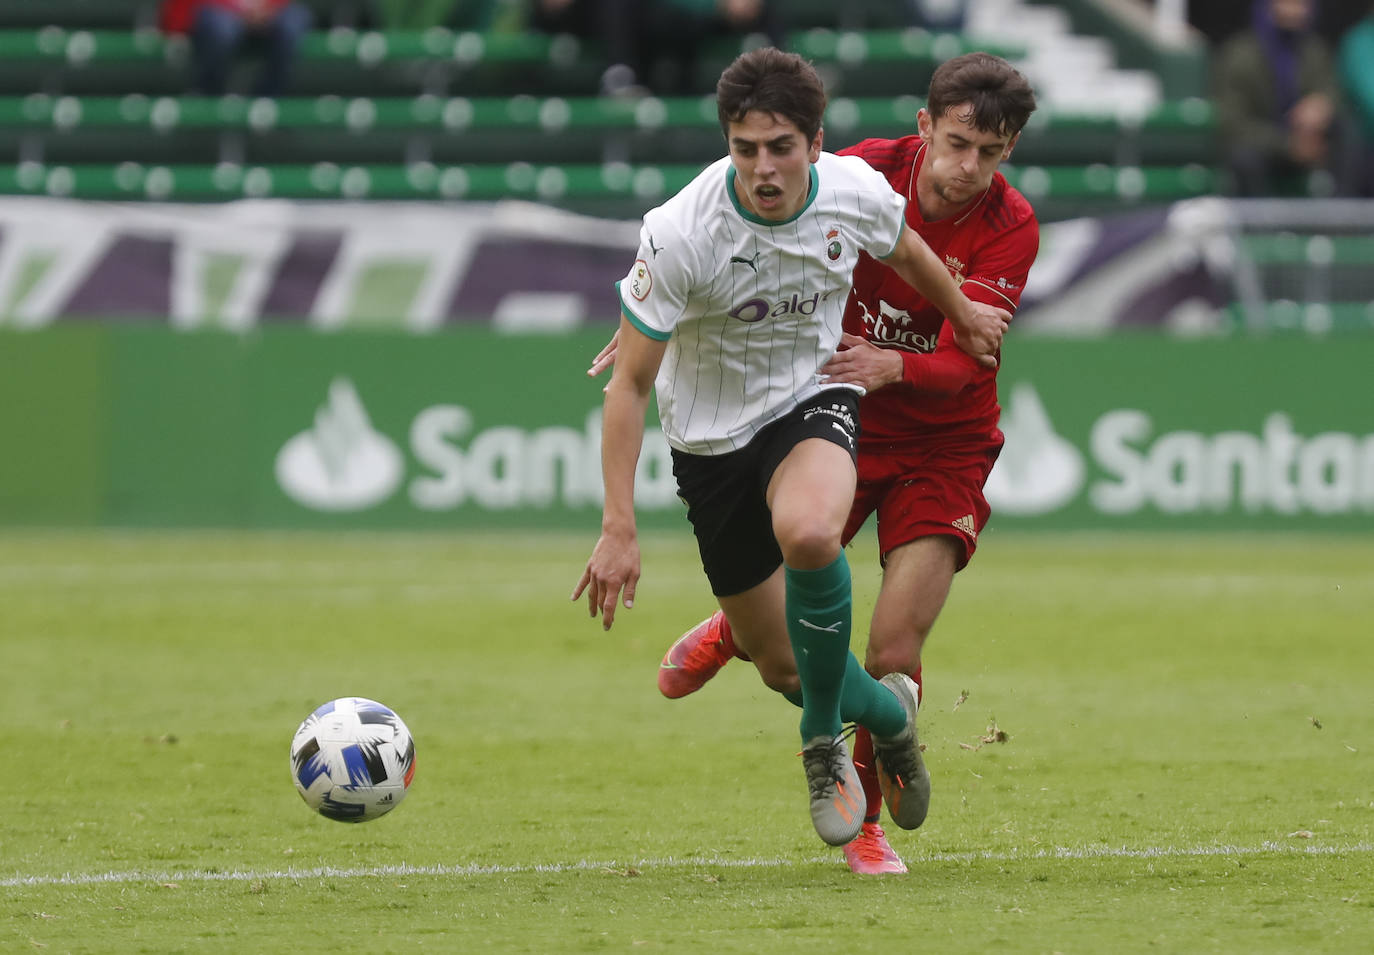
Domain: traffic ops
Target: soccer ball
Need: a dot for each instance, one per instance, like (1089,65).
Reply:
(352,760)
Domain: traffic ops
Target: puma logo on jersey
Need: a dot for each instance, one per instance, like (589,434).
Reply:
(752,261)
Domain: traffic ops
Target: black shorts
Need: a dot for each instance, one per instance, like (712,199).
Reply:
(725,493)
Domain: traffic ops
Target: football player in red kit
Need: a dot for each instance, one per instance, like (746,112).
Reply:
(928,426)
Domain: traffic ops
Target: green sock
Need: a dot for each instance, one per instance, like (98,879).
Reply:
(869,703)
(865,701)
(819,609)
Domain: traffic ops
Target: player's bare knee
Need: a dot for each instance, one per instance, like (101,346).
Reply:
(780,679)
(809,546)
(777,670)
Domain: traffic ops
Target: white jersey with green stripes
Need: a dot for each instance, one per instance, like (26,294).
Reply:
(751,309)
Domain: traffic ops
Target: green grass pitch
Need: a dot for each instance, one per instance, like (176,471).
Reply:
(1184,762)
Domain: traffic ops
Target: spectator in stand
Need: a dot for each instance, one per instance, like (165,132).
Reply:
(219,28)
(1276,100)
(655,45)
(1357,77)
(680,30)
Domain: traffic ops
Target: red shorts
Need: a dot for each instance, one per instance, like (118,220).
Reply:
(920,492)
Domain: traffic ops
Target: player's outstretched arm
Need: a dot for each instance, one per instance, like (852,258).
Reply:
(978,328)
(614,565)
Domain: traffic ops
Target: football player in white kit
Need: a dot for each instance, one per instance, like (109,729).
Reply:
(732,306)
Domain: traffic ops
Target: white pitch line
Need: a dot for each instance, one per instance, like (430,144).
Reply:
(474,869)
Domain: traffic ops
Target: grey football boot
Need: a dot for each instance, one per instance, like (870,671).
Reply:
(837,794)
(902,773)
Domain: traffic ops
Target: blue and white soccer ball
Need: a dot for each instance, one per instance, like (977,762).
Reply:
(352,760)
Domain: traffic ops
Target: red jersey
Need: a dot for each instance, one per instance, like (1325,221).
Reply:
(989,248)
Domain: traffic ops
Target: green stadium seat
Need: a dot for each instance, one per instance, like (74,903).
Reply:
(439,60)
(1113,186)
(610,189)
(873,62)
(1305,318)
(330,180)
(340,61)
(1289,248)
(100,113)
(87,14)
(1175,132)
(69,129)
(1311,281)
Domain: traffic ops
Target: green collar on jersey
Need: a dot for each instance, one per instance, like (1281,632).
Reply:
(750,217)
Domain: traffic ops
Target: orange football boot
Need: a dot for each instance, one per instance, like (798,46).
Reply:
(696,656)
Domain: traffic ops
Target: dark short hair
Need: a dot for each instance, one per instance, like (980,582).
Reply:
(771,81)
(1000,98)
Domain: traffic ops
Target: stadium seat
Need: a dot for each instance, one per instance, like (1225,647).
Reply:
(341,61)
(70,129)
(87,14)
(612,189)
(92,108)
(373,63)
(1321,266)
(1307,318)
